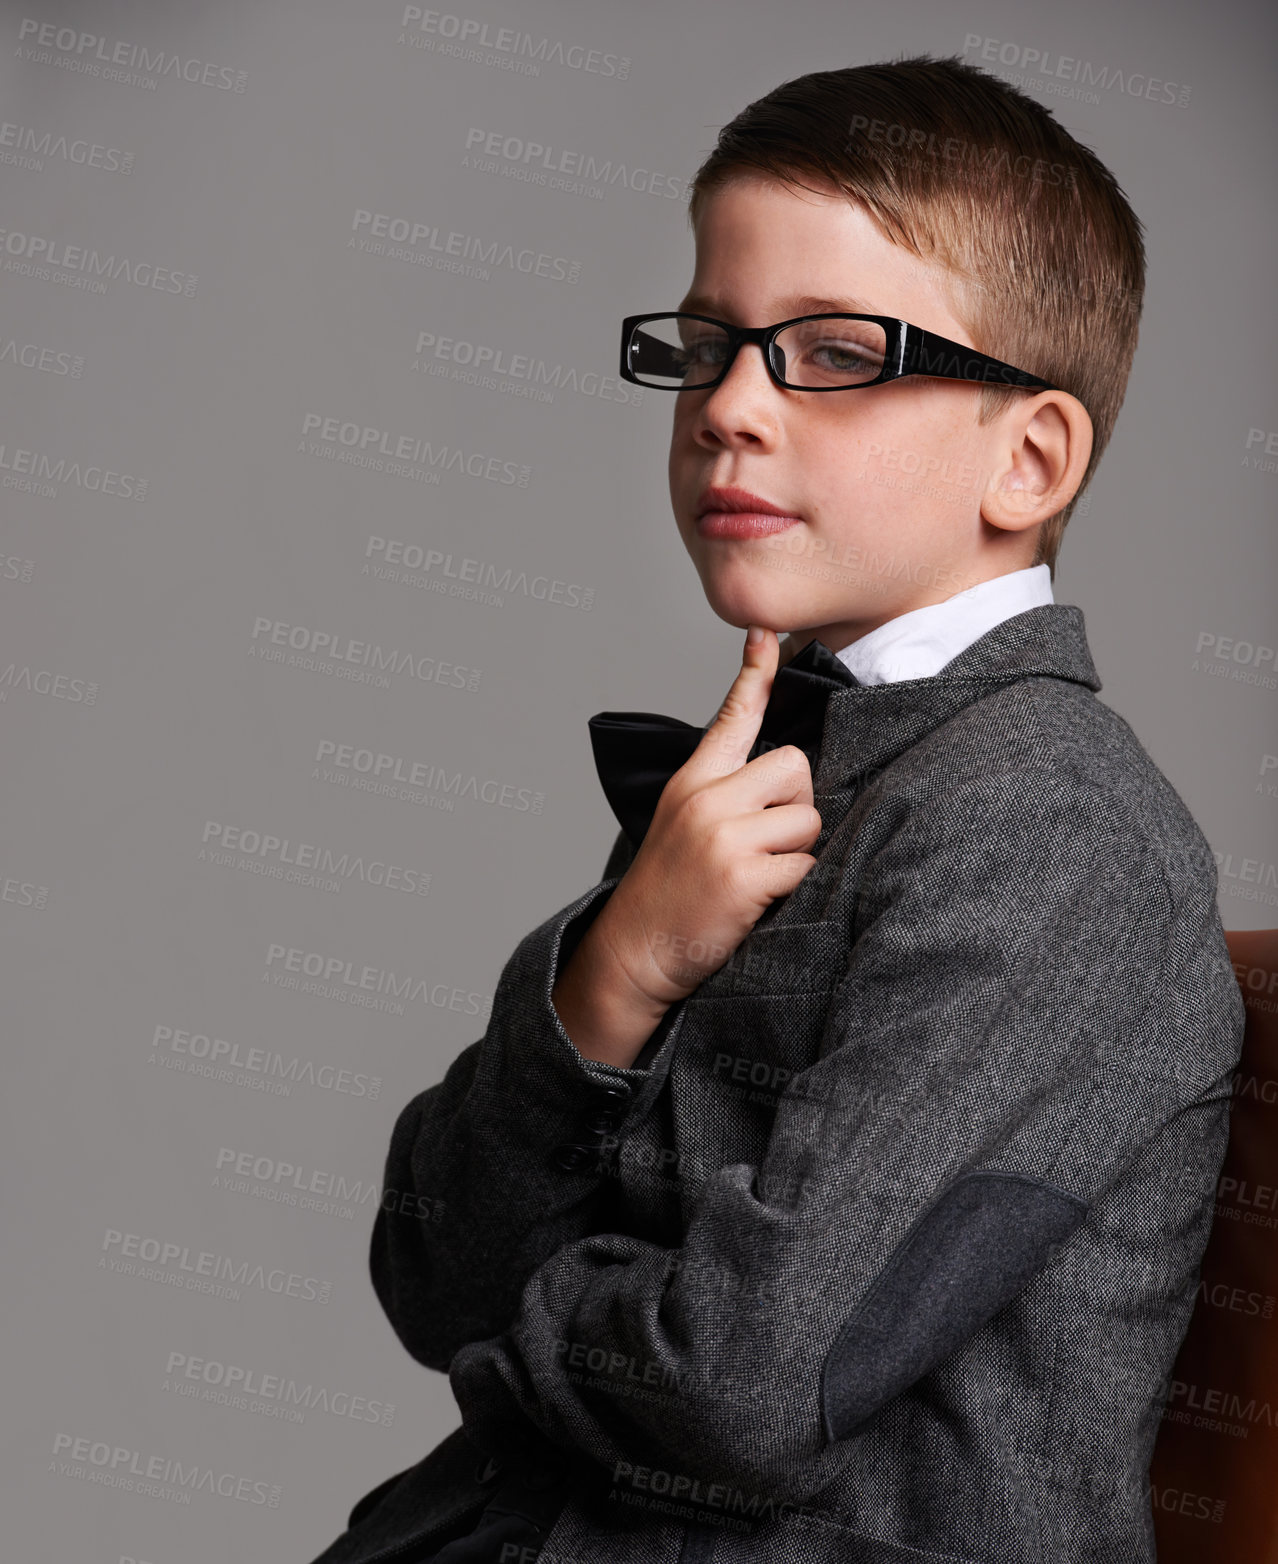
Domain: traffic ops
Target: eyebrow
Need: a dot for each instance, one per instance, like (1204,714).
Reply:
(792,305)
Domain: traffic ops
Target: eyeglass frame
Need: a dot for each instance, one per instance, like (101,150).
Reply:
(906,344)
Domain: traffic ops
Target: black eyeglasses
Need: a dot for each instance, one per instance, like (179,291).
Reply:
(678,352)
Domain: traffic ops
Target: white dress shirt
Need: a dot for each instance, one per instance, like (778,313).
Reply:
(920,643)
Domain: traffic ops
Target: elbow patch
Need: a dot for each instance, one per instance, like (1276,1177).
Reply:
(969,1253)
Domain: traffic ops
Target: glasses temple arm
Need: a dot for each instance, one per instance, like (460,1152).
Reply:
(922,351)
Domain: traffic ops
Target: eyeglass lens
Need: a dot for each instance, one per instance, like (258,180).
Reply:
(684,352)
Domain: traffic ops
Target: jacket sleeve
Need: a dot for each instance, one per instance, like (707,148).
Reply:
(499,1165)
(996,1054)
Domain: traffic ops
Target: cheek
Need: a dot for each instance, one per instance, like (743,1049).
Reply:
(681,420)
(915,439)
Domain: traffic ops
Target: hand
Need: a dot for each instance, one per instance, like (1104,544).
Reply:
(726,839)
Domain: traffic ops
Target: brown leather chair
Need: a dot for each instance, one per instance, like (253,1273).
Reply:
(1214,1471)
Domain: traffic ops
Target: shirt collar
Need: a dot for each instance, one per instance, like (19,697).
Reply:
(920,643)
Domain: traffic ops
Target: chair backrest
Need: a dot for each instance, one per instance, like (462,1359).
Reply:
(1214,1471)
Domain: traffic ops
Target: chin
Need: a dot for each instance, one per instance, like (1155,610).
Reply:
(740,606)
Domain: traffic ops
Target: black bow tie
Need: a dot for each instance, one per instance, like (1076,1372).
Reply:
(637,752)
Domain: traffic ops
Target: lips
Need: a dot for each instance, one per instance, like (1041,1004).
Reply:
(731,512)
(741,524)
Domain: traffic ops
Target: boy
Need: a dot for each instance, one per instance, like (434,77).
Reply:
(832,1180)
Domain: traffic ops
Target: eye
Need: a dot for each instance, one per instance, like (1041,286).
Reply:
(833,352)
(708,349)
(844,357)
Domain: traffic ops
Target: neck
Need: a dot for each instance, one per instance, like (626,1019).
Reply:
(836,637)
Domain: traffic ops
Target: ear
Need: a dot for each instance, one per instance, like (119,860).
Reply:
(1041,449)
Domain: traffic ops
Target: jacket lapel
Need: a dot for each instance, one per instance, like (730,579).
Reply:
(867,726)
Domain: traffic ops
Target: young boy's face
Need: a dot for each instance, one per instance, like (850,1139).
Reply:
(875,537)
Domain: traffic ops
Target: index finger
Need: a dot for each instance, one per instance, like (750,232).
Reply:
(726,743)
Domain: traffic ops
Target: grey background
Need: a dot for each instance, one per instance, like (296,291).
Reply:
(112,923)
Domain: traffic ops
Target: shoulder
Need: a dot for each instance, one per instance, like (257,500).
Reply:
(1046,754)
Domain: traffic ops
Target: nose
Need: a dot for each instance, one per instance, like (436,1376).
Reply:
(758,348)
(744,408)
(754,379)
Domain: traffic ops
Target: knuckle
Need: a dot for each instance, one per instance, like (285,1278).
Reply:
(715,751)
(676,792)
(737,875)
(695,806)
(718,839)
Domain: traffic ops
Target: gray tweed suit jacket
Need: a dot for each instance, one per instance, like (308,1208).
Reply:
(884,1248)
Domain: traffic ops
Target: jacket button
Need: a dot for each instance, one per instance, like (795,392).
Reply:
(538,1475)
(572,1159)
(602,1121)
(617,1093)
